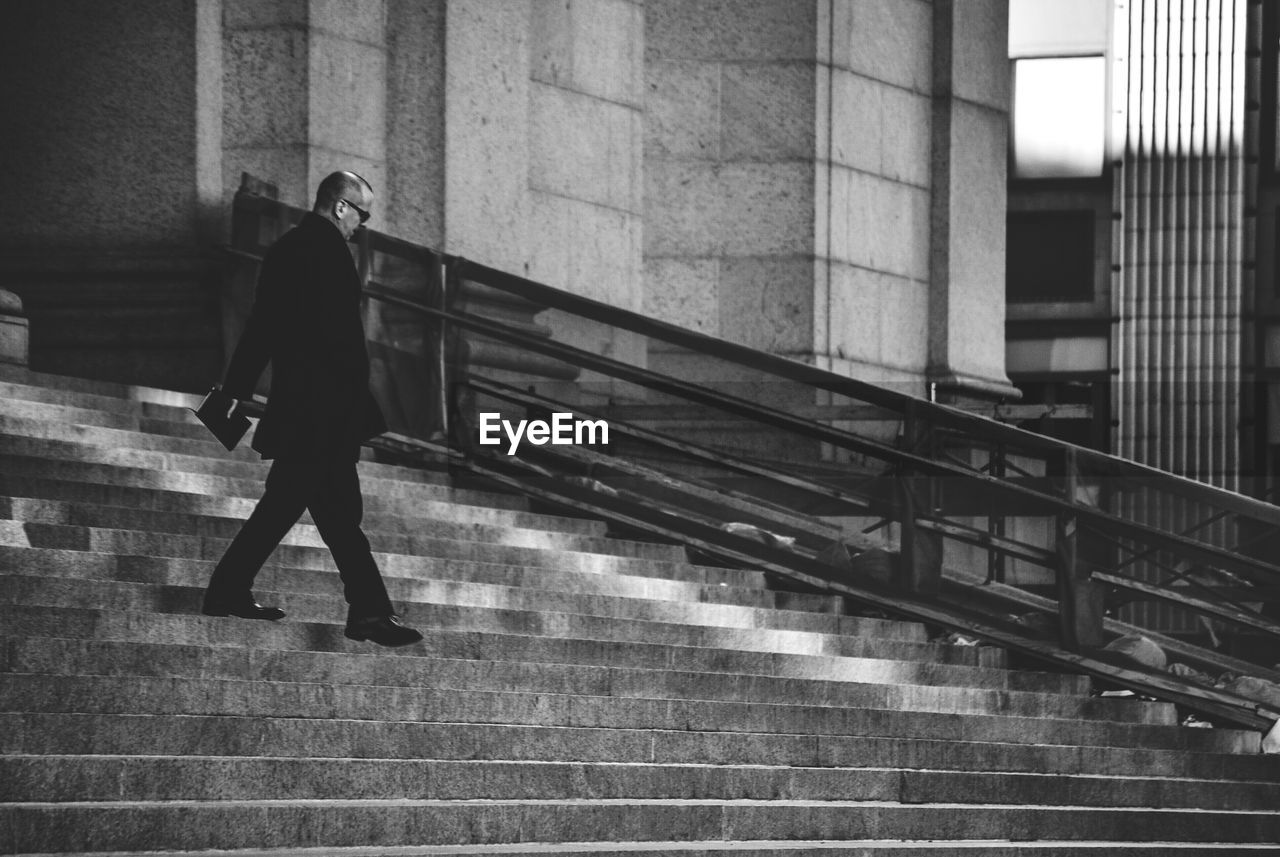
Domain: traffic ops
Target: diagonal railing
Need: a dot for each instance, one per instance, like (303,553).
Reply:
(820,480)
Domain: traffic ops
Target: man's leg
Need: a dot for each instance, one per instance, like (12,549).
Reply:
(337,510)
(283,501)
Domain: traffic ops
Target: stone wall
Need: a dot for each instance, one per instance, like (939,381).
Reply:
(729,169)
(413,199)
(970,174)
(874,190)
(793,157)
(817,178)
(106,229)
(304,93)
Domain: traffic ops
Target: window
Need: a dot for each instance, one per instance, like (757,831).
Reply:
(1059,117)
(1050,256)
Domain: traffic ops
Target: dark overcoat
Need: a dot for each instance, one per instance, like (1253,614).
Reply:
(306,323)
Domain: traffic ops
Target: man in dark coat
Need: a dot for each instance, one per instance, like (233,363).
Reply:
(306,323)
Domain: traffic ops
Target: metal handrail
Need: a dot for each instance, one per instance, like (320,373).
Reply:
(916,463)
(1043,502)
(969,424)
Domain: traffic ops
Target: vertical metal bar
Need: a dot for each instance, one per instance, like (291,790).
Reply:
(997,562)
(447,363)
(437,291)
(920,570)
(1079,599)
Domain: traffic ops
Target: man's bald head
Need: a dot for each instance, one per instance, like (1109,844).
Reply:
(344,199)
(341,185)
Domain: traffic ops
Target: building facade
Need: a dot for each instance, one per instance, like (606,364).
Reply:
(824,179)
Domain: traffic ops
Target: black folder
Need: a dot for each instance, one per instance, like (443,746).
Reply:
(216,412)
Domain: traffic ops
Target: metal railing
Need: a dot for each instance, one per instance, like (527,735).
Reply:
(820,480)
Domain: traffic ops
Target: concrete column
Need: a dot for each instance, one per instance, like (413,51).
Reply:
(729,169)
(790,180)
(486,132)
(872,230)
(413,200)
(13,330)
(586,96)
(970,133)
(113,151)
(305,93)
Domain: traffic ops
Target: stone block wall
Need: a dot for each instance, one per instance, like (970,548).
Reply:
(970,169)
(106,236)
(304,93)
(585,109)
(874,168)
(817,178)
(729,172)
(414,195)
(825,179)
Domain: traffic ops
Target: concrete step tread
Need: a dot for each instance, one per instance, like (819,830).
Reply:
(758,848)
(404,803)
(78,446)
(115,494)
(981,743)
(305,542)
(695,582)
(196,766)
(425,578)
(480,628)
(755,848)
(751,702)
(22,375)
(49,460)
(315,621)
(620,662)
(147,756)
(407,587)
(383,529)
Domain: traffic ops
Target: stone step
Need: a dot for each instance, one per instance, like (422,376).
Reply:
(409,551)
(172,569)
(571,691)
(872,738)
(761,848)
(601,669)
(111,389)
(502,604)
(322,578)
(410,686)
(301,633)
(306,601)
(189,825)
(158,421)
(387,533)
(81,445)
(111,488)
(31,779)
(70,463)
(152,422)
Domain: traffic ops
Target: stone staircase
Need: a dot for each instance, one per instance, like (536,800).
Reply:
(575,694)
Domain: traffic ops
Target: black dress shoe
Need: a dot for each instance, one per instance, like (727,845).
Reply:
(243,609)
(383,630)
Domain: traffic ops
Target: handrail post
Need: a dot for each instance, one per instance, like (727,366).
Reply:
(452,350)
(438,405)
(1080,609)
(920,569)
(997,525)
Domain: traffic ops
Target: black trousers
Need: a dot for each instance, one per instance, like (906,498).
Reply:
(328,487)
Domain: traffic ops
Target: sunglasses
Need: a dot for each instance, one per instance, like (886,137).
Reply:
(364,215)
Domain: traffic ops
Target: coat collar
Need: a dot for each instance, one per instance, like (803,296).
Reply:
(313,222)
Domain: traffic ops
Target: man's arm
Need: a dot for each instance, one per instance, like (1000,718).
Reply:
(253,351)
